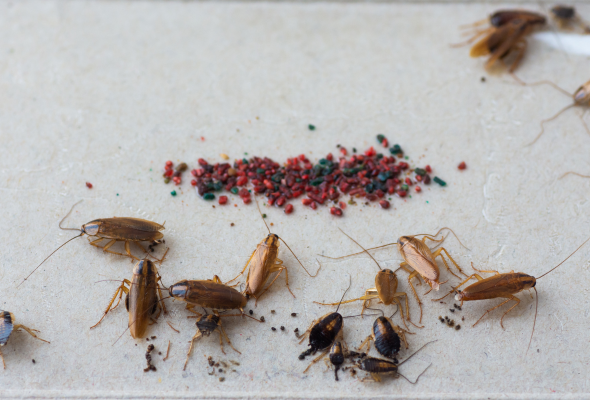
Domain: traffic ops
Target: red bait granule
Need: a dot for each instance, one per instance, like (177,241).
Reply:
(462,165)
(336,211)
(288,208)
(89,185)
(222,200)
(384,204)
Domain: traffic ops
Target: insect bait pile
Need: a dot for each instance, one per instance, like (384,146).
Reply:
(372,175)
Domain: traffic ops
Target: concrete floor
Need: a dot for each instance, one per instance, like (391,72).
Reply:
(106,92)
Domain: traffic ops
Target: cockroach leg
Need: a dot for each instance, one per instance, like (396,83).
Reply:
(198,335)
(413,274)
(520,46)
(120,290)
(476,276)
(29,331)
(438,253)
(222,331)
(508,298)
(278,267)
(482,270)
(318,358)
(2,357)
(245,266)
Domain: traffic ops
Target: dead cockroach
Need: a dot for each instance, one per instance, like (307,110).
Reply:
(7,326)
(501,18)
(142,297)
(323,332)
(420,260)
(337,356)
(581,98)
(385,289)
(207,324)
(502,286)
(504,40)
(388,338)
(116,229)
(567,18)
(377,367)
(264,262)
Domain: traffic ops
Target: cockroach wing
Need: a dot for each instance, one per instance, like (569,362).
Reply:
(419,257)
(6,326)
(129,229)
(502,41)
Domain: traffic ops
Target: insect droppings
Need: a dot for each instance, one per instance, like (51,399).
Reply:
(293,314)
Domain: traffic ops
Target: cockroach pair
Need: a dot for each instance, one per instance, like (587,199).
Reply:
(377,367)
(264,262)
(419,260)
(7,326)
(116,229)
(385,289)
(505,286)
(505,36)
(143,297)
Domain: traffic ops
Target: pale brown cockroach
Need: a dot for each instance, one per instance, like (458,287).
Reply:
(142,298)
(501,286)
(116,229)
(385,289)
(7,326)
(377,367)
(498,19)
(206,325)
(264,262)
(581,98)
(420,260)
(567,18)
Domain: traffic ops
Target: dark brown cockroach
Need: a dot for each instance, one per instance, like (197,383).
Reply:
(142,298)
(264,262)
(323,332)
(567,18)
(7,326)
(505,40)
(501,286)
(385,289)
(420,260)
(377,367)
(116,229)
(388,338)
(337,356)
(501,18)
(206,325)
(581,98)
(211,293)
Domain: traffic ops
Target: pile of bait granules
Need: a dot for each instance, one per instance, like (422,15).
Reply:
(373,176)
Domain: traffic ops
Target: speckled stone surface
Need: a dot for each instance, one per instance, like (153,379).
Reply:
(106,92)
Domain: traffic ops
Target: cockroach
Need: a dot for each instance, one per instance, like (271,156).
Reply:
(501,18)
(210,293)
(385,289)
(420,260)
(142,298)
(207,324)
(323,332)
(504,40)
(264,262)
(337,356)
(377,367)
(502,286)
(116,229)
(7,326)
(388,338)
(567,17)
(581,98)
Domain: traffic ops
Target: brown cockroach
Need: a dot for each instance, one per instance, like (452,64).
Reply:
(142,298)
(377,367)
(7,326)
(207,324)
(337,356)
(567,17)
(581,98)
(210,293)
(501,18)
(385,289)
(420,260)
(504,40)
(501,286)
(116,229)
(264,262)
